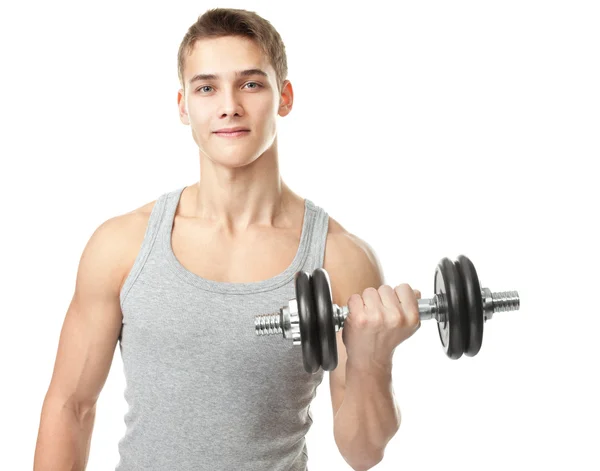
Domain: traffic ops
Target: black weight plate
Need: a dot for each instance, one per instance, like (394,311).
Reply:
(311,348)
(447,282)
(324,312)
(473,306)
(463,312)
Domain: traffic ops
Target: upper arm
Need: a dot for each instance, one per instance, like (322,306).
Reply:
(92,324)
(353,266)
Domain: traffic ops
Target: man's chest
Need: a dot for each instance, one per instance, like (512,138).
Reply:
(250,258)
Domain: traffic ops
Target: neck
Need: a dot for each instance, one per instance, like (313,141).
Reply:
(235,199)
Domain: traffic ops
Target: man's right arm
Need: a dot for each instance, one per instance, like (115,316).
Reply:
(86,348)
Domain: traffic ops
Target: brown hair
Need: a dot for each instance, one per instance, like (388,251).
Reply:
(219,22)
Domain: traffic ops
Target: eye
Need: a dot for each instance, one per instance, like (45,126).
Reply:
(258,85)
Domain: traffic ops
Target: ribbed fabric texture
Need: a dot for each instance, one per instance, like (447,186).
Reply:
(204,392)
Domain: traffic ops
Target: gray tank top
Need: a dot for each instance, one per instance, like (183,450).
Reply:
(204,392)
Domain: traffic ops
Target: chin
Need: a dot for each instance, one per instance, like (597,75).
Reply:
(234,162)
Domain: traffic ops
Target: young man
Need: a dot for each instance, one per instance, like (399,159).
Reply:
(179,280)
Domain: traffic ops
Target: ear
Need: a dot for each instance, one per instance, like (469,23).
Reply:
(286,100)
(183,114)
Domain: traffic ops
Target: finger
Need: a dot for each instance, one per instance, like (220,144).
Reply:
(388,297)
(371,299)
(357,316)
(374,310)
(393,312)
(408,301)
(356,304)
(417,293)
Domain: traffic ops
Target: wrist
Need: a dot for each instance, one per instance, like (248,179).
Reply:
(370,367)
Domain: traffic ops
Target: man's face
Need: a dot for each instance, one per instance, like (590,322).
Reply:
(250,101)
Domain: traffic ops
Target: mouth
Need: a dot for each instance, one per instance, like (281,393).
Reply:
(232,134)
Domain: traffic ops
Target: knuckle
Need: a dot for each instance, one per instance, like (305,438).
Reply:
(376,320)
(394,322)
(376,323)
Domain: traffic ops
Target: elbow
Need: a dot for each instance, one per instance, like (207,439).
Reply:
(362,456)
(363,461)
(366,465)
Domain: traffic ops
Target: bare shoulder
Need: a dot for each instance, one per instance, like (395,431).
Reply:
(124,234)
(351,262)
(131,225)
(141,211)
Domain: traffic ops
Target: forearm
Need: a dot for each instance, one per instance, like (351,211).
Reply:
(368,417)
(64,438)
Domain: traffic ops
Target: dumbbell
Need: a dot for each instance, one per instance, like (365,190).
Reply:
(459,305)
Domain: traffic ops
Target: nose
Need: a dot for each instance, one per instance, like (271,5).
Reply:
(231,104)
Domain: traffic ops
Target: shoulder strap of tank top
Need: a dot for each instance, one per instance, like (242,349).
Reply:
(171,201)
(319,237)
(152,231)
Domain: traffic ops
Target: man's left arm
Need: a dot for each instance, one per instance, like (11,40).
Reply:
(366,415)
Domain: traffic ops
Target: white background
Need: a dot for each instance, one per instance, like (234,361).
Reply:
(428,129)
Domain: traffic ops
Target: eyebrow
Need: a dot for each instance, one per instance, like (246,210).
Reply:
(241,73)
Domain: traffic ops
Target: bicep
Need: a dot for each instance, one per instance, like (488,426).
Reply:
(91,326)
(352,266)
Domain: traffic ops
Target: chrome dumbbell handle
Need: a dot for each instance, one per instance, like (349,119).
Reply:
(286,322)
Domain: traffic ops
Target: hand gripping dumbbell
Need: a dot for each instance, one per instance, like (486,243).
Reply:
(459,305)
